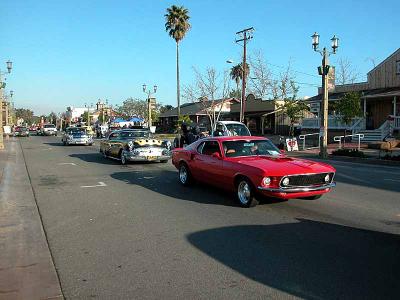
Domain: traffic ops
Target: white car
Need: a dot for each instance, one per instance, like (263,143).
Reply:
(48,129)
(231,128)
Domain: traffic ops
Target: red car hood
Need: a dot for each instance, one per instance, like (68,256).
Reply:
(283,165)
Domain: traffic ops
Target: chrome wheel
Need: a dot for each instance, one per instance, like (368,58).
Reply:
(244,192)
(183,174)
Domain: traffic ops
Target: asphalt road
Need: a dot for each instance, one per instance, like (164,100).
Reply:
(133,232)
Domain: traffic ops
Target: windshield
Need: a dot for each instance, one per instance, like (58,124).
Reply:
(237,129)
(126,135)
(76,131)
(250,148)
(49,126)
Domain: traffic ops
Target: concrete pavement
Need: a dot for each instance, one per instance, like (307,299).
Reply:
(26,266)
(141,235)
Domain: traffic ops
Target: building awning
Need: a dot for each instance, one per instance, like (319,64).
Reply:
(383,95)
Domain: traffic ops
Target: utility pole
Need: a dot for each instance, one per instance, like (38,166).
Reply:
(244,36)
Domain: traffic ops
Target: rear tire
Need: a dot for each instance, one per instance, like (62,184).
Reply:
(184,175)
(245,193)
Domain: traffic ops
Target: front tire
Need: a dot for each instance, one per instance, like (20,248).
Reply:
(123,158)
(245,193)
(185,178)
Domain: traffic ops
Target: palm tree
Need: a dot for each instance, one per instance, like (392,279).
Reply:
(236,75)
(177,25)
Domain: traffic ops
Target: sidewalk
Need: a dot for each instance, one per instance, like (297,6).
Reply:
(26,266)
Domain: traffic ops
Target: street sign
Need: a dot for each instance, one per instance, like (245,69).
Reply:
(315,106)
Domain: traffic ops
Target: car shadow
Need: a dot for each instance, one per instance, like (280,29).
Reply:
(309,259)
(95,157)
(166,182)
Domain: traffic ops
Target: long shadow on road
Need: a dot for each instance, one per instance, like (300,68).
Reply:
(309,259)
(166,182)
(95,157)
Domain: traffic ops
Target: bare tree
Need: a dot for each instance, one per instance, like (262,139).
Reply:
(345,72)
(261,81)
(211,89)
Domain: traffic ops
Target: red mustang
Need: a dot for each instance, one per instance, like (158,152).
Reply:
(251,165)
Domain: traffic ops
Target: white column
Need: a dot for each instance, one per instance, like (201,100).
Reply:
(365,107)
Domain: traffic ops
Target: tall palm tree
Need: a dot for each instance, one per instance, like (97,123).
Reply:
(177,25)
(237,74)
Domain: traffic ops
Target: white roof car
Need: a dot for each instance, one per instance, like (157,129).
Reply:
(231,128)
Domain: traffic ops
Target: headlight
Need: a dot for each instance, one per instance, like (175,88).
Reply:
(285,181)
(327,178)
(266,181)
(135,152)
(130,145)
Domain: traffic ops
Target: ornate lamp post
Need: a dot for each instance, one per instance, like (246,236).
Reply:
(150,102)
(323,70)
(2,86)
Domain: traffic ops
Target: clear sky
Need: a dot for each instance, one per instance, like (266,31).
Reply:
(76,51)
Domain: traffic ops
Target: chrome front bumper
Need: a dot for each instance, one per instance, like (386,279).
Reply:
(298,189)
(80,142)
(146,158)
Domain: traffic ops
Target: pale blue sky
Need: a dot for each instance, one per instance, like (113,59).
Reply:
(72,52)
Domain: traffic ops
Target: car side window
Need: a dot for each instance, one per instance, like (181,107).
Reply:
(113,136)
(210,147)
(200,147)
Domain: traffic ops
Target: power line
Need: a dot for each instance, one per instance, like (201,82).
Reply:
(300,72)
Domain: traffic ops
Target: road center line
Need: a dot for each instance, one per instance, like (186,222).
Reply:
(97,185)
(64,164)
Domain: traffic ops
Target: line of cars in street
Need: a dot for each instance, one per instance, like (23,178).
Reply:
(230,159)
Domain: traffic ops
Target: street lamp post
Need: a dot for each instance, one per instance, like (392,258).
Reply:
(2,86)
(88,115)
(149,102)
(323,70)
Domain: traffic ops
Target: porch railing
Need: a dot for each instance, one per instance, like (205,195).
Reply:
(334,123)
(396,122)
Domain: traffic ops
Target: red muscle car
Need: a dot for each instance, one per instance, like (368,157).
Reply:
(249,166)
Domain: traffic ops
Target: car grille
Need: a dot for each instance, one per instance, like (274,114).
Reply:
(308,180)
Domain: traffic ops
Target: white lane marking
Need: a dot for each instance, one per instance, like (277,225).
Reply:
(64,164)
(147,177)
(47,149)
(97,185)
(395,180)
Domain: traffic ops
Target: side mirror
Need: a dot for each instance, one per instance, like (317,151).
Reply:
(216,155)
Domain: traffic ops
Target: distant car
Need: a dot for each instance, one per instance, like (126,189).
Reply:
(76,136)
(21,131)
(48,129)
(135,145)
(231,128)
(33,128)
(251,166)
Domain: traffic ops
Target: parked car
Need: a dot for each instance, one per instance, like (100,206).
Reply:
(76,136)
(135,145)
(21,131)
(33,128)
(231,128)
(251,166)
(48,129)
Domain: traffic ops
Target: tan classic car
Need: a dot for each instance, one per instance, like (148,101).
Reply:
(135,145)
